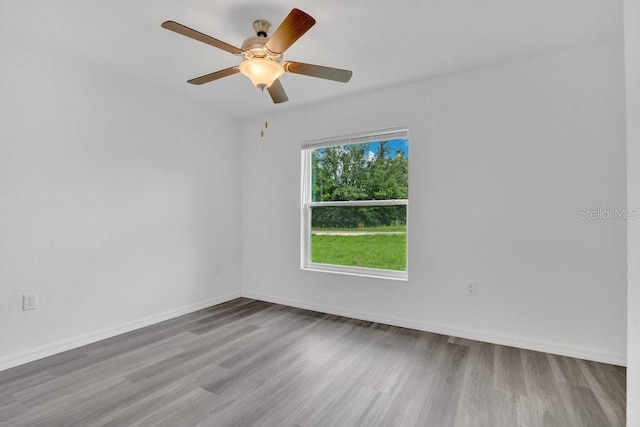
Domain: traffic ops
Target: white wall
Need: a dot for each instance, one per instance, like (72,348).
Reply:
(632,63)
(116,202)
(501,162)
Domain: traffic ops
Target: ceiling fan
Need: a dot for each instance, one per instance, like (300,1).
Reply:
(262,55)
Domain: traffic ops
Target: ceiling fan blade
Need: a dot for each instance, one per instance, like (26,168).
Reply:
(277,92)
(214,76)
(292,28)
(328,73)
(197,35)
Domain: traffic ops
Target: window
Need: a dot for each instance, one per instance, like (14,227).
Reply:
(355,193)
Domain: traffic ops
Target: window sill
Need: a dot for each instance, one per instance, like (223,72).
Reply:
(357,271)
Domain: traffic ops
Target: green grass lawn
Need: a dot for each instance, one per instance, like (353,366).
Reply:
(386,251)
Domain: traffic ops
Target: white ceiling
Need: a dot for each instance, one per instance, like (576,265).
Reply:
(384,42)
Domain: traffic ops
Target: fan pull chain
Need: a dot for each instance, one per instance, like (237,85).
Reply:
(266,123)
(262,108)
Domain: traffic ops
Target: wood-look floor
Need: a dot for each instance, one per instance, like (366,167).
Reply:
(247,363)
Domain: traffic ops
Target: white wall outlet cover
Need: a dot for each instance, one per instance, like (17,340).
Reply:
(471,288)
(29,302)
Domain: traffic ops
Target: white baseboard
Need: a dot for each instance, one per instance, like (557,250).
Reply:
(595,355)
(12,360)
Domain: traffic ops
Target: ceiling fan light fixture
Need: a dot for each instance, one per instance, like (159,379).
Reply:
(261,71)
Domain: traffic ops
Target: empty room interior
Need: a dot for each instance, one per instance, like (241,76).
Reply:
(278,213)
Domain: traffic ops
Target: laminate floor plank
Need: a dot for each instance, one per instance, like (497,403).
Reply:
(38,366)
(309,378)
(224,318)
(128,343)
(91,411)
(325,360)
(149,403)
(566,370)
(27,382)
(608,384)
(130,357)
(582,406)
(190,371)
(223,337)
(280,356)
(80,379)
(345,405)
(252,394)
(476,406)
(253,363)
(512,409)
(391,361)
(142,337)
(189,409)
(509,371)
(614,410)
(62,409)
(409,403)
(268,344)
(441,406)
(404,405)
(9,409)
(541,385)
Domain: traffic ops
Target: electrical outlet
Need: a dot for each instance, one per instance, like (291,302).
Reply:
(471,289)
(29,302)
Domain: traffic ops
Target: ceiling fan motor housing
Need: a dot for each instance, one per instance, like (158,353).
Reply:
(253,47)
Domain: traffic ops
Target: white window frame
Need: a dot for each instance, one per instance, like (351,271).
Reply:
(307,205)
